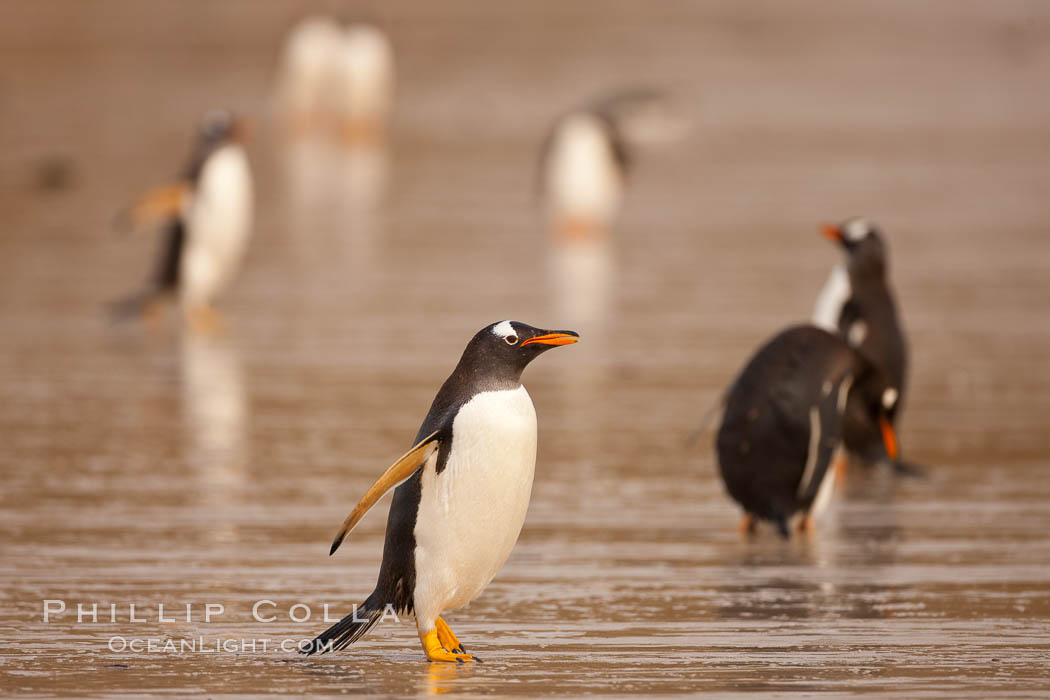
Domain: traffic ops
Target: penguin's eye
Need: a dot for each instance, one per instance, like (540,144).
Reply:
(511,340)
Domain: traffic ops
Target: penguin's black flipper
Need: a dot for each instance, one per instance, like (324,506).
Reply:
(398,472)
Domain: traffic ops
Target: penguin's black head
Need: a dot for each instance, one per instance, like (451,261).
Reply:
(503,349)
(854,234)
(863,243)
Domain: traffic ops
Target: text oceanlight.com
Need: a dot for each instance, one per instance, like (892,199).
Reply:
(59,612)
(200,645)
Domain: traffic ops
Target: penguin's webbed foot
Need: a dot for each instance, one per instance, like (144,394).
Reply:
(436,651)
(204,320)
(448,638)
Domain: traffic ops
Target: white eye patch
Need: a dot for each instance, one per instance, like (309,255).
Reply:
(504,329)
(856,229)
(889,398)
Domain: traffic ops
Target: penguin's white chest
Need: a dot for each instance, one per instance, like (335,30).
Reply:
(582,175)
(218,224)
(471,513)
(832,298)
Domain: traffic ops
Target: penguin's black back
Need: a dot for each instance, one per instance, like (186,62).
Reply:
(872,303)
(764,439)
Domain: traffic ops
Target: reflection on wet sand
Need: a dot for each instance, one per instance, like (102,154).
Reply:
(215,410)
(321,177)
(134,471)
(583,276)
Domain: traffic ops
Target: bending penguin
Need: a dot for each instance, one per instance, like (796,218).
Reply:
(858,304)
(206,217)
(783,420)
(464,489)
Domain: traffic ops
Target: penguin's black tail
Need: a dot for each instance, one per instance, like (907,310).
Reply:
(782,527)
(348,630)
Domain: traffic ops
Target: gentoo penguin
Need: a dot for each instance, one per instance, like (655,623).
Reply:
(363,89)
(857,303)
(586,156)
(206,215)
(305,77)
(466,487)
(783,422)
(583,169)
(337,78)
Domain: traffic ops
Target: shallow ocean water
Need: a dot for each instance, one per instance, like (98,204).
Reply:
(146,468)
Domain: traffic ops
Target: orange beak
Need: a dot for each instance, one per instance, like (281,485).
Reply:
(831,232)
(889,438)
(553,339)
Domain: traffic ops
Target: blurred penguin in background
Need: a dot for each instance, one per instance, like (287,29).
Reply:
(335,95)
(584,166)
(363,93)
(858,304)
(783,424)
(305,74)
(205,217)
(337,82)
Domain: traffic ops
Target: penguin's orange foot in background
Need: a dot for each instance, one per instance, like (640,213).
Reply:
(153,316)
(748,524)
(436,652)
(805,524)
(448,638)
(204,320)
(841,462)
(355,133)
(576,229)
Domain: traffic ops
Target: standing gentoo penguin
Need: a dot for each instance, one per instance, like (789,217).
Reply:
(467,482)
(857,303)
(586,156)
(363,88)
(338,78)
(207,216)
(783,422)
(583,169)
(305,77)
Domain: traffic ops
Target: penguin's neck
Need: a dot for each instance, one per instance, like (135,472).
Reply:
(867,272)
(472,376)
(467,380)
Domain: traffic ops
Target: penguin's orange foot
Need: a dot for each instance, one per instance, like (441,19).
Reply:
(805,524)
(448,638)
(204,320)
(153,316)
(839,466)
(748,524)
(436,652)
